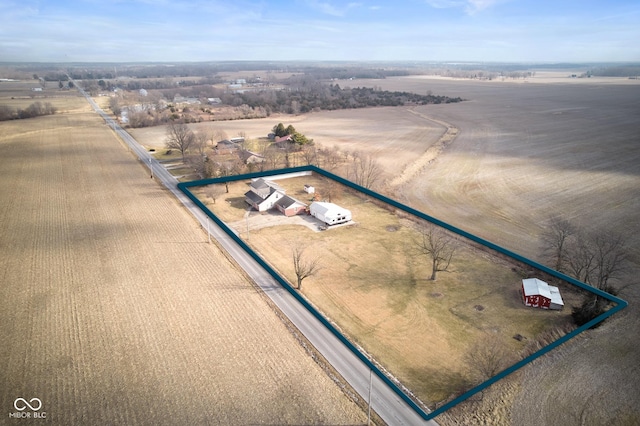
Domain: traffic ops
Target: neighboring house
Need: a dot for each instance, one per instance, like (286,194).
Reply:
(226,147)
(249,157)
(263,194)
(539,294)
(285,138)
(285,143)
(185,100)
(329,213)
(289,206)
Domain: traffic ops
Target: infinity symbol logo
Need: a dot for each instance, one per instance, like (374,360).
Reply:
(26,404)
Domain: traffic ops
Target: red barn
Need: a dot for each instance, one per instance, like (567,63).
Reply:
(539,294)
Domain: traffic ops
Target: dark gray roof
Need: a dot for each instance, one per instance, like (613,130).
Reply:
(287,201)
(253,197)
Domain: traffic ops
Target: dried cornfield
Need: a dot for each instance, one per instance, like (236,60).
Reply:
(113,307)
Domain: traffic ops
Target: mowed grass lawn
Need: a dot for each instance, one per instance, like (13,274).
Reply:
(375,287)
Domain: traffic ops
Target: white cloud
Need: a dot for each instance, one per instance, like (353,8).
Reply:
(469,6)
(329,9)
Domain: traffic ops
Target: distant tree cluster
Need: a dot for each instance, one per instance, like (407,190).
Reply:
(36,109)
(317,96)
(632,71)
(296,137)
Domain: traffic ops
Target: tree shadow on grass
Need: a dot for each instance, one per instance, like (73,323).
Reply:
(237,202)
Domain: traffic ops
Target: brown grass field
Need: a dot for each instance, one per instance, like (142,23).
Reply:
(115,310)
(525,151)
(375,287)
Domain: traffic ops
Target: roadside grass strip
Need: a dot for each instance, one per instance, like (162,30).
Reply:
(619,304)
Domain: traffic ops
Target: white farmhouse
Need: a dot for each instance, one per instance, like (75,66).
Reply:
(263,194)
(329,213)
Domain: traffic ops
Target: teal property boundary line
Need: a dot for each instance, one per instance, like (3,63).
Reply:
(619,303)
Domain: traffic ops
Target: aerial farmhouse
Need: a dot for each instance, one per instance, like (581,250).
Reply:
(329,213)
(264,195)
(538,294)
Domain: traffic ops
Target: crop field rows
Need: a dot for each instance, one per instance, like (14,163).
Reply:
(524,152)
(114,309)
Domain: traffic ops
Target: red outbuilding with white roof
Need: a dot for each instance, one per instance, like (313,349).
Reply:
(539,294)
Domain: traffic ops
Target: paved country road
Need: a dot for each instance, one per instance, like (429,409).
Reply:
(384,401)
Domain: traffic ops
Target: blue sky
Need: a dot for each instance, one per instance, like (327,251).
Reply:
(421,30)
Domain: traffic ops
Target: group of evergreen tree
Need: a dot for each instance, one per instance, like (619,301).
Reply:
(296,137)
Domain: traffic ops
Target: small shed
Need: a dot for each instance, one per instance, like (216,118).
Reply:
(538,294)
(329,213)
(309,189)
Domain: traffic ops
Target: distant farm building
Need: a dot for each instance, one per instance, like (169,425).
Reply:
(538,294)
(249,157)
(329,213)
(226,147)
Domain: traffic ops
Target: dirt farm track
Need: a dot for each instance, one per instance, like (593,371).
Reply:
(115,310)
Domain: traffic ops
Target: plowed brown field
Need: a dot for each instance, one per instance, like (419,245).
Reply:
(524,151)
(115,310)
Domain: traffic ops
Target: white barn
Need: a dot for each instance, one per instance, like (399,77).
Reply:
(329,213)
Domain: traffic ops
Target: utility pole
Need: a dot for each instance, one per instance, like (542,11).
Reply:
(370,385)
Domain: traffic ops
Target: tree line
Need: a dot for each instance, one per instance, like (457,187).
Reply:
(598,259)
(36,109)
(316,96)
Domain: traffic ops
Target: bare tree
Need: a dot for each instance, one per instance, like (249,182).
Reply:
(272,159)
(555,239)
(365,170)
(438,245)
(179,137)
(309,154)
(200,140)
(580,258)
(487,357)
(332,190)
(304,268)
(214,191)
(331,157)
(597,258)
(219,135)
(229,168)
